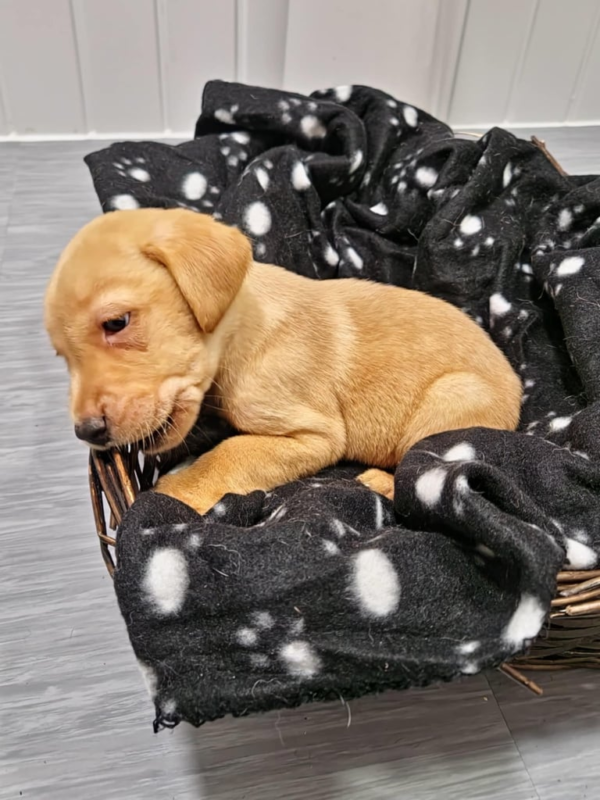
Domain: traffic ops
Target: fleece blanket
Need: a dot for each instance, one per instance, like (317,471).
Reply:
(322,589)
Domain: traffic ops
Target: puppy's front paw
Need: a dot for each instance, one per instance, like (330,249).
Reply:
(174,486)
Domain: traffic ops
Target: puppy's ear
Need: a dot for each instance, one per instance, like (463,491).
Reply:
(208,261)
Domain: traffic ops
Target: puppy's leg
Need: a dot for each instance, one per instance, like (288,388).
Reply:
(455,401)
(243,464)
(379,481)
(461,400)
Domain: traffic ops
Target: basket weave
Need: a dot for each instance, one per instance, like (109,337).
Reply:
(570,637)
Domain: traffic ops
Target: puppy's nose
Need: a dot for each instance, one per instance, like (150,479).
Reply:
(92,430)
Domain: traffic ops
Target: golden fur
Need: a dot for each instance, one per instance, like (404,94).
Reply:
(309,371)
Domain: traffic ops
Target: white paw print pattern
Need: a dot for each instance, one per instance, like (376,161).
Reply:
(272,644)
(430,485)
(133,168)
(300,114)
(233,147)
(565,270)
(227,114)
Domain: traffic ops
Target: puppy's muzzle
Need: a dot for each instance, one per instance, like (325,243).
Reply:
(93,430)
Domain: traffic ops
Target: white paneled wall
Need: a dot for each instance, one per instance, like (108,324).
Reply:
(371,45)
(528,62)
(137,67)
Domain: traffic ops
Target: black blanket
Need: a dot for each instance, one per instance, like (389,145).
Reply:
(322,589)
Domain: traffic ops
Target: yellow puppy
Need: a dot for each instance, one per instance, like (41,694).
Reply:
(156,310)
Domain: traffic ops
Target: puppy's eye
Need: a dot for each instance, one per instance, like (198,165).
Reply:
(117,324)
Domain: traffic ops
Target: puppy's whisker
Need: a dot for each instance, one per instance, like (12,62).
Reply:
(170,426)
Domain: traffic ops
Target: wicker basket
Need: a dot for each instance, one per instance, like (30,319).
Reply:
(570,637)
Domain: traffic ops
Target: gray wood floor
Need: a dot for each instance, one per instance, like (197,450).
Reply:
(74,717)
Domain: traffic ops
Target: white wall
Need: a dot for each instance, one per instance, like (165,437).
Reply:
(526,62)
(137,67)
(127,67)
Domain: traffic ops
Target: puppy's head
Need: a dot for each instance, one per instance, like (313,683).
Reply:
(134,306)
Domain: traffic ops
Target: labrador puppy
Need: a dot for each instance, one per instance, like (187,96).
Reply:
(156,311)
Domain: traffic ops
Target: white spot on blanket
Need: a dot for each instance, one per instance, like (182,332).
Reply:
(354,258)
(331,257)
(460,452)
(330,547)
(150,679)
(526,622)
(194,186)
(560,423)
(499,305)
(343,93)
(262,176)
(489,241)
(579,555)
(246,637)
(565,219)
(410,116)
(166,580)
(300,179)
(470,225)
(430,485)
(426,177)
(263,620)
(356,161)
(219,509)
(194,541)
(226,115)
(169,707)
(507,175)
(241,137)
(461,485)
(380,208)
(570,266)
(467,648)
(124,202)
(312,128)
(257,219)
(140,174)
(375,583)
(378,512)
(300,659)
